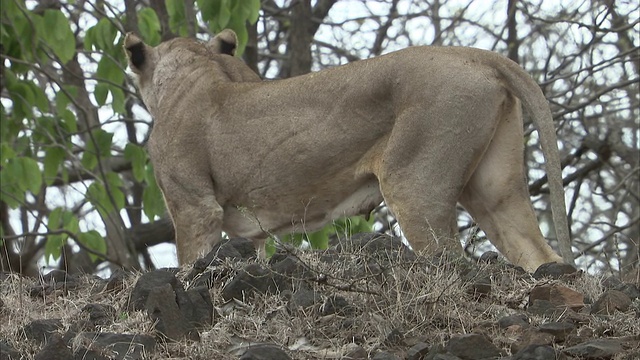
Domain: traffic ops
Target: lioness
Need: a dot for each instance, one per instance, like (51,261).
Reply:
(421,129)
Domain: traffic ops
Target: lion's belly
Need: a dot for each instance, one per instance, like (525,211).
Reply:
(278,219)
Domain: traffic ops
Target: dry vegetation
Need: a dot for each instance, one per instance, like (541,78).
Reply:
(426,301)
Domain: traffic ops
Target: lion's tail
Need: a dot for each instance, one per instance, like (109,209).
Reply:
(534,101)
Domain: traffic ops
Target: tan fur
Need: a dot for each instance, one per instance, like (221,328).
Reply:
(422,128)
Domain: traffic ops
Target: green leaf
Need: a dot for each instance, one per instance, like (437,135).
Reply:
(224,14)
(97,196)
(94,241)
(58,35)
(53,247)
(138,158)
(118,103)
(152,199)
(6,153)
(149,26)
(114,183)
(177,17)
(30,174)
(98,146)
(100,93)
(53,158)
(208,8)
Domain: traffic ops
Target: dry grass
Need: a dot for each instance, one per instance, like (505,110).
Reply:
(424,301)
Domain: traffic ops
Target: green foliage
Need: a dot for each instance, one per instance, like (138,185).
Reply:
(228,14)
(344,227)
(53,131)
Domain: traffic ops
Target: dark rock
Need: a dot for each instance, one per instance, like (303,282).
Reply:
(355,352)
(57,276)
(288,272)
(418,351)
(472,346)
(536,352)
(336,305)
(595,349)
(380,246)
(610,302)
(41,330)
(228,249)
(197,307)
(383,355)
(254,278)
(554,270)
(116,281)
(531,337)
(169,320)
(302,298)
(612,283)
(480,287)
(100,314)
(543,308)
(516,319)
(631,290)
(443,357)
(114,346)
(149,281)
(394,338)
(560,330)
(7,352)
(55,349)
(489,257)
(265,352)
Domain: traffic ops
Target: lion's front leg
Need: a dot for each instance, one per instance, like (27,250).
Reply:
(197,221)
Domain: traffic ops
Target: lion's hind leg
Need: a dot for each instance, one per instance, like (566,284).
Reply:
(424,169)
(498,199)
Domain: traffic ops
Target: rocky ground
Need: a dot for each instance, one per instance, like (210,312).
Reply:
(367,298)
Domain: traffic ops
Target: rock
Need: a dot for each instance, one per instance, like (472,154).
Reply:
(381,246)
(9,353)
(554,270)
(489,257)
(336,305)
(100,314)
(228,249)
(149,281)
(418,351)
(536,352)
(480,287)
(394,338)
(55,349)
(610,302)
(265,352)
(595,349)
(531,337)
(197,307)
(41,330)
(516,319)
(302,298)
(383,355)
(560,330)
(471,346)
(116,281)
(253,278)
(355,352)
(165,313)
(559,296)
(94,345)
(288,272)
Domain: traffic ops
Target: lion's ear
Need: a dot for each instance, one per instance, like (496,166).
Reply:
(137,52)
(224,43)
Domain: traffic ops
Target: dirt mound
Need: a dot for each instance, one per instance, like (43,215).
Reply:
(368,298)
